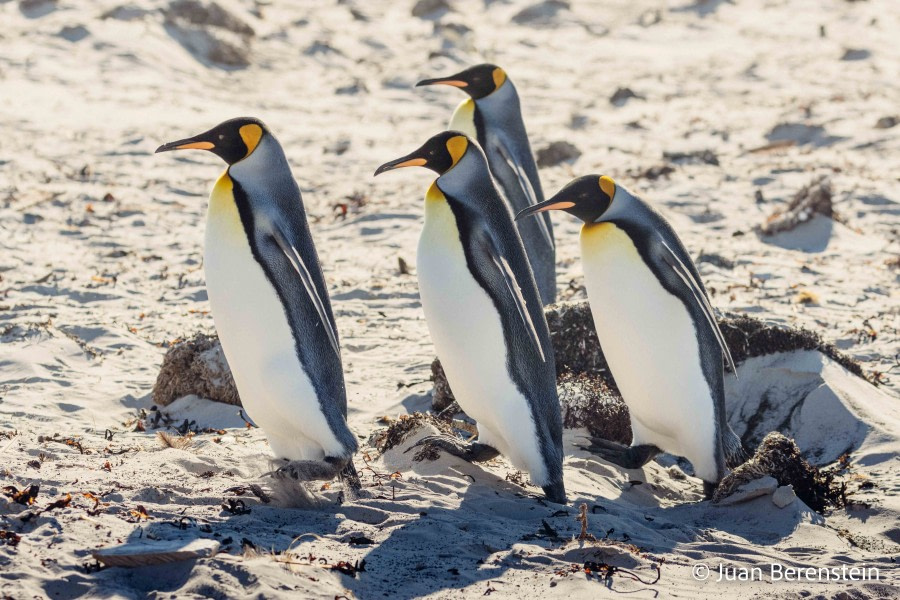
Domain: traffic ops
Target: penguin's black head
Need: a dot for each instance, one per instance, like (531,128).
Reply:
(587,198)
(233,141)
(440,154)
(477,81)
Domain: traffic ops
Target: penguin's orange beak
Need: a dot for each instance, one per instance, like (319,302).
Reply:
(193,143)
(410,160)
(551,204)
(443,81)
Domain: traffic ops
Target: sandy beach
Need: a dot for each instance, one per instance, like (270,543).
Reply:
(718,113)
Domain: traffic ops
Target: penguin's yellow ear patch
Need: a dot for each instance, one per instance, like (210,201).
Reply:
(499,77)
(608,186)
(456,146)
(251,134)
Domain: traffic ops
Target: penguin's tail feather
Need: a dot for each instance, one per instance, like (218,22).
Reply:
(735,453)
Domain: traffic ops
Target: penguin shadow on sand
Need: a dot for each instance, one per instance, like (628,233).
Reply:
(457,516)
(658,508)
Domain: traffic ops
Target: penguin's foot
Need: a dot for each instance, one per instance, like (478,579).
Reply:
(350,478)
(469,452)
(556,492)
(627,457)
(314,470)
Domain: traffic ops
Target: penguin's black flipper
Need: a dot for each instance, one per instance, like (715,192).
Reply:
(627,457)
(297,262)
(490,247)
(697,290)
(468,451)
(735,453)
(525,185)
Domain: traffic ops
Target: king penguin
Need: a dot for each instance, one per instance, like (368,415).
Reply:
(270,304)
(484,315)
(656,328)
(492,115)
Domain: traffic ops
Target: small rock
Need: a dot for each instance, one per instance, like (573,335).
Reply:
(212,46)
(321,47)
(652,173)
(127,12)
(430,8)
(784,496)
(696,156)
(556,153)
(34,9)
(73,34)
(856,54)
(209,14)
(337,147)
(357,87)
(800,134)
(887,122)
(623,95)
(748,491)
(542,13)
(209,32)
(716,259)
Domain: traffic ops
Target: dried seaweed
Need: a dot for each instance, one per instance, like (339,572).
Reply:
(26,496)
(590,403)
(813,198)
(779,457)
(401,427)
(9,538)
(195,366)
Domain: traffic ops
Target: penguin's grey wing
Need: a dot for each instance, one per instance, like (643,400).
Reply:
(523,181)
(685,275)
(499,262)
(297,262)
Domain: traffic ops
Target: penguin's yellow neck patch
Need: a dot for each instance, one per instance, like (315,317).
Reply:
(434,194)
(599,238)
(223,219)
(499,77)
(608,186)
(456,146)
(251,134)
(463,118)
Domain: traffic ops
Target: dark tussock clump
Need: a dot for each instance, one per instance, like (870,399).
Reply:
(590,403)
(195,366)
(441,397)
(813,198)
(402,427)
(779,457)
(577,348)
(748,337)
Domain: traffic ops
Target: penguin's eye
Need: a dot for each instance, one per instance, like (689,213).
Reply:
(221,136)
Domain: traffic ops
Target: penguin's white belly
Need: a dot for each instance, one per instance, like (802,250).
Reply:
(650,343)
(257,340)
(468,336)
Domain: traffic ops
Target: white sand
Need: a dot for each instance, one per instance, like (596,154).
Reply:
(101,268)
